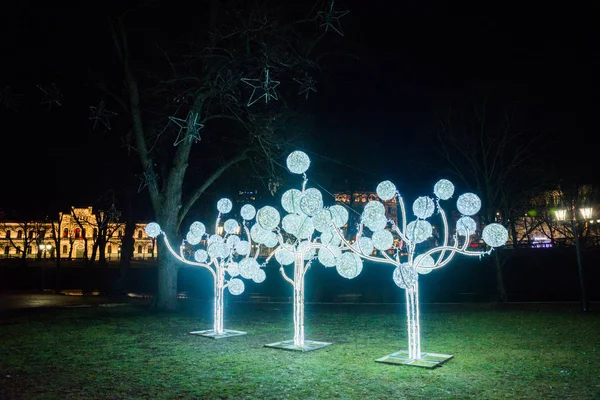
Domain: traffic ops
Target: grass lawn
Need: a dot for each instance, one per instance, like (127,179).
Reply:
(126,352)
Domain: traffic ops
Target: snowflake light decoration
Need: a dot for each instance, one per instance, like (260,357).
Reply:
(226,254)
(101,114)
(189,128)
(265,87)
(331,19)
(381,247)
(307,85)
(52,95)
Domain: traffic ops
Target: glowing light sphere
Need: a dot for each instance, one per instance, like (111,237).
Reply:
(192,239)
(198,229)
(271,240)
(330,238)
(284,257)
(248,267)
(290,201)
(233,269)
(224,205)
(405,276)
(152,229)
(268,217)
(349,265)
(230,226)
(242,247)
(218,250)
(418,231)
(311,201)
(383,240)
(376,222)
(258,233)
(236,286)
(494,235)
(215,239)
(298,162)
(465,225)
(386,190)
(468,204)
(373,216)
(232,241)
(424,263)
(443,189)
(248,212)
(298,225)
(259,276)
(328,256)
(322,220)
(339,215)
(374,207)
(366,246)
(423,207)
(200,256)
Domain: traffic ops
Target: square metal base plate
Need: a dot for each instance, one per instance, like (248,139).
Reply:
(210,333)
(309,345)
(427,360)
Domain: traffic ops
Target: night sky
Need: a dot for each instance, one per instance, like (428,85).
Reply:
(374,116)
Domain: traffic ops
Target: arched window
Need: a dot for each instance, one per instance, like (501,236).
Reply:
(6,250)
(139,234)
(149,249)
(139,249)
(19,234)
(30,235)
(109,249)
(66,232)
(28,249)
(65,250)
(8,234)
(77,233)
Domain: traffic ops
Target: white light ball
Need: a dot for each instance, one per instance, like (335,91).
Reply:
(215,238)
(236,286)
(233,269)
(232,241)
(230,226)
(405,276)
(200,256)
(218,250)
(259,276)
(248,267)
(300,226)
(465,225)
(383,240)
(339,215)
(198,229)
(258,233)
(311,201)
(328,256)
(224,205)
(349,265)
(386,190)
(242,247)
(495,235)
(271,240)
(443,189)
(418,231)
(284,256)
(152,229)
(192,239)
(366,246)
(423,207)
(375,222)
(331,238)
(268,217)
(290,201)
(424,264)
(248,212)
(468,204)
(298,162)
(322,220)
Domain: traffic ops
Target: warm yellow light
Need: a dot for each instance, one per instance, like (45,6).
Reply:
(586,212)
(561,215)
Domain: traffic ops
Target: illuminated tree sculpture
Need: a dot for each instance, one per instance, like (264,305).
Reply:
(225,254)
(306,234)
(382,247)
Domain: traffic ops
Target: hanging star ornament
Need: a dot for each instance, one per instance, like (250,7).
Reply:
(189,128)
(331,19)
(266,87)
(8,99)
(51,95)
(146,179)
(306,86)
(101,114)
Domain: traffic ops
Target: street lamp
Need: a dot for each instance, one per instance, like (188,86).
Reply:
(586,213)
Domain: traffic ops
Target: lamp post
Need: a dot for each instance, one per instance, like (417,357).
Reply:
(586,213)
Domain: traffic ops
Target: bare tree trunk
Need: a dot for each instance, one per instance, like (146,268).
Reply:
(500,287)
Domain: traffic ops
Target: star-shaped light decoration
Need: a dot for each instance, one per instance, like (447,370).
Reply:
(101,114)
(51,95)
(8,99)
(331,19)
(189,128)
(266,85)
(146,178)
(306,85)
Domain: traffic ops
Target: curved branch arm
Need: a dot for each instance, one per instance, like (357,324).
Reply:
(285,276)
(401,234)
(446,233)
(359,252)
(183,260)
(402,212)
(454,250)
(390,259)
(249,239)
